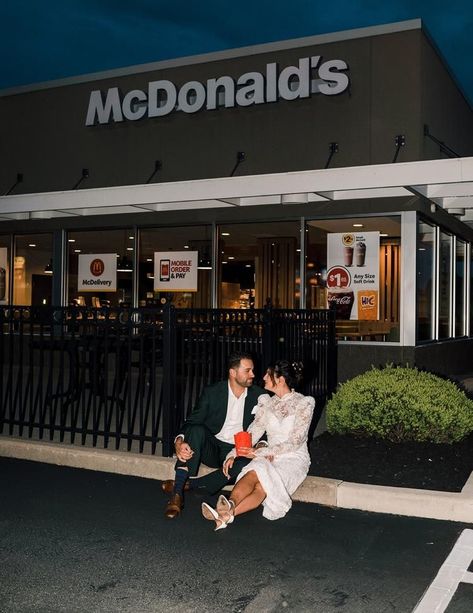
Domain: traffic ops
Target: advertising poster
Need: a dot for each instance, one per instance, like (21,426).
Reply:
(97,272)
(353,274)
(3,275)
(175,271)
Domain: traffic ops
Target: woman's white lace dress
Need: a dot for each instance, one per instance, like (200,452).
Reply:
(286,422)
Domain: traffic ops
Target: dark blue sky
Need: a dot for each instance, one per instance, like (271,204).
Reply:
(43,40)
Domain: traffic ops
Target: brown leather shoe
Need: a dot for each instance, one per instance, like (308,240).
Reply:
(168,486)
(174,506)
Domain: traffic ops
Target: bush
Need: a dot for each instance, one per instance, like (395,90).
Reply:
(401,404)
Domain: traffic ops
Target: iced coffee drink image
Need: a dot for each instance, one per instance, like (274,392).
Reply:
(348,256)
(360,253)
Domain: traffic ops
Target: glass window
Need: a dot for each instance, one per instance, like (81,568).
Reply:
(445,282)
(259,261)
(119,242)
(32,271)
(192,238)
(366,283)
(471,290)
(425,281)
(4,269)
(460,249)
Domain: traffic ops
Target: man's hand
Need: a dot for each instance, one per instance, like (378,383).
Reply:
(183,450)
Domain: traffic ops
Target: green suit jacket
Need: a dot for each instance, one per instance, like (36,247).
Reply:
(211,408)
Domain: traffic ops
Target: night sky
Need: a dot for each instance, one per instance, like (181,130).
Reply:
(43,40)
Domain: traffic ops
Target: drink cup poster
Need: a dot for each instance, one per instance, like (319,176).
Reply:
(175,271)
(353,274)
(97,272)
(3,275)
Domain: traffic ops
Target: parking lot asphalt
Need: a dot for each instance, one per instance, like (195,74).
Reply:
(79,541)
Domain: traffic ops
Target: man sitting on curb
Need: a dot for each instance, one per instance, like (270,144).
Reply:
(223,409)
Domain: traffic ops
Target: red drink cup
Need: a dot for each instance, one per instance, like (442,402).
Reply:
(242,439)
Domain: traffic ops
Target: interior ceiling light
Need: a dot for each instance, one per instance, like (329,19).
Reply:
(357,225)
(225,234)
(31,244)
(71,240)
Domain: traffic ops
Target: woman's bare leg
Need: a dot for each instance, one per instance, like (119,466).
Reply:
(247,493)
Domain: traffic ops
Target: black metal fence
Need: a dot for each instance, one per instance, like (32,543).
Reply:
(128,377)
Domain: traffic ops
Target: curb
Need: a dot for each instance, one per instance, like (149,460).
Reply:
(411,502)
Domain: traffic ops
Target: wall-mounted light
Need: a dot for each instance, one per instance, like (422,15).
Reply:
(157,167)
(85,175)
(240,157)
(19,179)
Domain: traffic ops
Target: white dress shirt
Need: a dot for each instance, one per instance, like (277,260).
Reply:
(234,420)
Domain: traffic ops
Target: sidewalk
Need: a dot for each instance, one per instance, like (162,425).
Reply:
(330,492)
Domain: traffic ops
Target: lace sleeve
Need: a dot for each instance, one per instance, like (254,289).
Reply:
(298,435)
(258,426)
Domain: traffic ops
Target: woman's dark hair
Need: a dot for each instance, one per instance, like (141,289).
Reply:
(291,371)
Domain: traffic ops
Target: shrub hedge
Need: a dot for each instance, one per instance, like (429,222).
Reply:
(401,404)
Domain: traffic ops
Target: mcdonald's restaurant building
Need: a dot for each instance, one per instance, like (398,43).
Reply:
(331,169)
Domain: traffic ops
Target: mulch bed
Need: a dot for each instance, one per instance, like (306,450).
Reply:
(418,465)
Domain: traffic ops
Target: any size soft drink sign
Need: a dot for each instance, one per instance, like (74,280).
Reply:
(353,274)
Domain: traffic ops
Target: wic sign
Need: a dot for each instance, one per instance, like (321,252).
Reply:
(310,76)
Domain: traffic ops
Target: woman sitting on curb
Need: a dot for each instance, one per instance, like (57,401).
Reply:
(275,471)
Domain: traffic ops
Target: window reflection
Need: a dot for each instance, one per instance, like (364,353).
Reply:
(459,287)
(386,326)
(32,280)
(4,269)
(119,242)
(259,261)
(183,238)
(425,281)
(445,280)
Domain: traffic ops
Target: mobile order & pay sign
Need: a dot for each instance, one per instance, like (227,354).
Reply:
(175,271)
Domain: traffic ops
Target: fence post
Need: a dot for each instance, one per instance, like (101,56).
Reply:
(267,349)
(169,377)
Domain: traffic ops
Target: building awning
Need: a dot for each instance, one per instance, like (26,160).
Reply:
(445,183)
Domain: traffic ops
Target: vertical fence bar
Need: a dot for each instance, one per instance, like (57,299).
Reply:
(169,377)
(268,329)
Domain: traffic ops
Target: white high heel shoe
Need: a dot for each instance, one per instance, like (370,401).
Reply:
(226,509)
(212,515)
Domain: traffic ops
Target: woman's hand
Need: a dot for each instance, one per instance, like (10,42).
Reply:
(226,467)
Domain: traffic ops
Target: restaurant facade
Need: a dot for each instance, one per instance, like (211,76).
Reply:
(331,170)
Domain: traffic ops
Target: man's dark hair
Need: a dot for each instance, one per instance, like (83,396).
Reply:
(236,357)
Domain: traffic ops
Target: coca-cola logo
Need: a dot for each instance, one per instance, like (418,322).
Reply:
(344,299)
